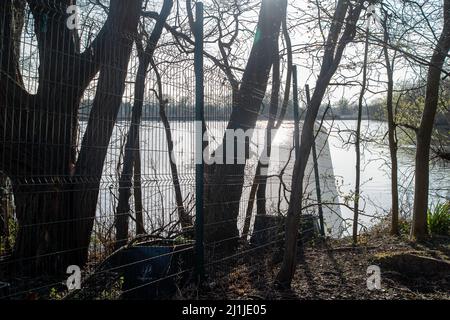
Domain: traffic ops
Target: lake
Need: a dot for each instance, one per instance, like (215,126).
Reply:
(336,169)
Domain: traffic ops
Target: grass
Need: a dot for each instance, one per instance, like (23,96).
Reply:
(439,219)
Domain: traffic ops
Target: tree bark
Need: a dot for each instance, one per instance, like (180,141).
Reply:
(106,105)
(392,132)
(419,229)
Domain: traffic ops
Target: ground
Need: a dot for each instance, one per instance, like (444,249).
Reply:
(326,269)
(334,269)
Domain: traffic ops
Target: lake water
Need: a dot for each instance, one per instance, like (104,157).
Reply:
(336,169)
(375,175)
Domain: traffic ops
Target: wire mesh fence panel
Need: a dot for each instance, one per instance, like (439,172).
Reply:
(76,183)
(98,141)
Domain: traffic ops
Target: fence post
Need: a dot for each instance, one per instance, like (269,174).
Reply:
(316,172)
(199,120)
(296,113)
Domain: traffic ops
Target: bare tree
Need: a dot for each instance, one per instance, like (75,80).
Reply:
(392,132)
(342,31)
(419,228)
(358,136)
(125,183)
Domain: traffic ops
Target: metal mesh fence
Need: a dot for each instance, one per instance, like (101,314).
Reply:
(67,112)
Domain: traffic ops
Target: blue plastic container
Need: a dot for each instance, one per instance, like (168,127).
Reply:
(153,271)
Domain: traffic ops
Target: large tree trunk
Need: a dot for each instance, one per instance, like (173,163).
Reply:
(419,228)
(34,150)
(125,182)
(334,49)
(38,130)
(225,181)
(106,105)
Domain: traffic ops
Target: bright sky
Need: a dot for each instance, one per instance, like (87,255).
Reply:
(305,37)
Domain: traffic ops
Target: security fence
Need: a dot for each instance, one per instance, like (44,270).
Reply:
(103,179)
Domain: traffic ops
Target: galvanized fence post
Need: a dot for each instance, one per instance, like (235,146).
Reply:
(199,119)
